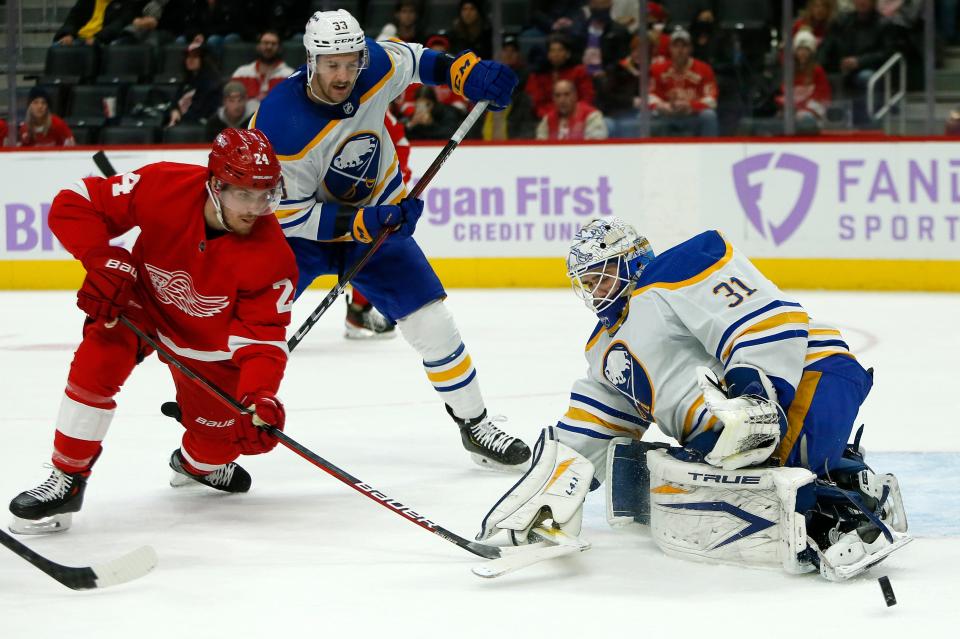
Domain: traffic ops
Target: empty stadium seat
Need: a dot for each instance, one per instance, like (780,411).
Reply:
(185,134)
(74,63)
(127,135)
(90,100)
(171,59)
(126,64)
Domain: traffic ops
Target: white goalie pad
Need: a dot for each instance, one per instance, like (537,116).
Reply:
(745,517)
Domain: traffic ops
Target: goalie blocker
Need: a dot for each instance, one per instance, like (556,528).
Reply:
(764,517)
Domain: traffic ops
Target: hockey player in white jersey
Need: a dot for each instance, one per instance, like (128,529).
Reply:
(761,398)
(343,184)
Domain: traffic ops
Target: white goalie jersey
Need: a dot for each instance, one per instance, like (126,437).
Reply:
(699,303)
(339,154)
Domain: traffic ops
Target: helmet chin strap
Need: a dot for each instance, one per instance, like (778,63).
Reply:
(217,207)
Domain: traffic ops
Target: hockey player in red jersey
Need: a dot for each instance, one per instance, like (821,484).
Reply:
(211,277)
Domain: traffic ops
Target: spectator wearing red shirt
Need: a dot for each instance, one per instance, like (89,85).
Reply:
(4,131)
(43,128)
(570,118)
(811,88)
(560,66)
(683,92)
(267,71)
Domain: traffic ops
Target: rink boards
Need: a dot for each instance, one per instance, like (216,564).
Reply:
(874,214)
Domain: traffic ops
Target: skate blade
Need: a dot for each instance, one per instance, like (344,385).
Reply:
(352,332)
(496,466)
(44,526)
(178,480)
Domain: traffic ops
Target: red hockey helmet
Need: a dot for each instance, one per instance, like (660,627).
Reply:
(244,157)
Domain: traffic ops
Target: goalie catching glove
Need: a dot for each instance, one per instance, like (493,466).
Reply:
(554,488)
(751,423)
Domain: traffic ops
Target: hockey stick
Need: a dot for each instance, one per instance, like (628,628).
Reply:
(560,544)
(131,566)
(481,550)
(428,176)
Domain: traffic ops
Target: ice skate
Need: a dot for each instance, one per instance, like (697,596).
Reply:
(366,322)
(489,446)
(50,506)
(230,478)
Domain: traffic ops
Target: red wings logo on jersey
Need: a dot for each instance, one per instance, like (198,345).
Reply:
(177,288)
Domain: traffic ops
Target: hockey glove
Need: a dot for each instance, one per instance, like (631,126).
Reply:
(751,424)
(371,220)
(554,488)
(252,438)
(108,286)
(477,80)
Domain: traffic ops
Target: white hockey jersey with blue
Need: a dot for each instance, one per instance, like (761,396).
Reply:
(699,303)
(335,155)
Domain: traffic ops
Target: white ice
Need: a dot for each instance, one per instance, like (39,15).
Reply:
(303,555)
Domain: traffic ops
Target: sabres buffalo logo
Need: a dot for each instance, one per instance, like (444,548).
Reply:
(625,372)
(354,169)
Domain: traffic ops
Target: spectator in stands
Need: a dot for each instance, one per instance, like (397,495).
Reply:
(144,28)
(605,40)
(706,40)
(560,65)
(97,21)
(431,120)
(4,132)
(201,95)
(627,14)
(856,45)
(41,127)
(406,24)
(618,95)
(816,16)
(218,22)
(267,71)
(235,112)
(471,30)
(570,118)
(517,121)
(951,126)
(552,16)
(656,26)
(683,92)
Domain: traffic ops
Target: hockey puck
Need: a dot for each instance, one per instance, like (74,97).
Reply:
(887,590)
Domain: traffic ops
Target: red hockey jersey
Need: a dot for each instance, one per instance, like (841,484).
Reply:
(695,84)
(225,298)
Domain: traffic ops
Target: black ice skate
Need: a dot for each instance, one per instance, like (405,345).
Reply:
(230,478)
(49,506)
(489,446)
(366,322)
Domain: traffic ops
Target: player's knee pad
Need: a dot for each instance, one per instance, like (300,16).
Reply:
(431,331)
(745,517)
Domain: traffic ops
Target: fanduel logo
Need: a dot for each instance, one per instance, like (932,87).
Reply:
(750,193)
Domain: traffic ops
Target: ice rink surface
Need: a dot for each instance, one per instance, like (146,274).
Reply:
(303,555)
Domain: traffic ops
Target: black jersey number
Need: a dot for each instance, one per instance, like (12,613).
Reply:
(728,291)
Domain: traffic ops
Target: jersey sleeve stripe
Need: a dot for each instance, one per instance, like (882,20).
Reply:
(795,317)
(688,424)
(828,342)
(812,357)
(582,418)
(300,201)
(798,413)
(312,143)
(612,412)
(824,331)
(701,427)
(699,277)
(583,431)
(297,220)
(785,335)
(746,318)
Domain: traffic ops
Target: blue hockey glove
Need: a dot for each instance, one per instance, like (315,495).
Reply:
(477,79)
(370,220)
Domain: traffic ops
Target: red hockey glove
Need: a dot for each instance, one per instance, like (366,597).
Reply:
(251,438)
(108,285)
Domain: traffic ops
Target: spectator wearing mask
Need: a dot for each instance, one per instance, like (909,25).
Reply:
(431,120)
(570,118)
(201,94)
(235,112)
(267,71)
(560,65)
(42,127)
(406,23)
(683,92)
(97,21)
(471,30)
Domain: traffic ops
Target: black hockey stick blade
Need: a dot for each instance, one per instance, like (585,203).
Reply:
(131,566)
(103,163)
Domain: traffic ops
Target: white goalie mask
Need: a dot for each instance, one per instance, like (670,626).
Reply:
(606,257)
(334,33)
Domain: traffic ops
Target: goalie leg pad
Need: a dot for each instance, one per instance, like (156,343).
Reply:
(746,517)
(554,488)
(627,481)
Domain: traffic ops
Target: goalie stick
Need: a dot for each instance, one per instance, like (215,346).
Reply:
(131,566)
(557,544)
